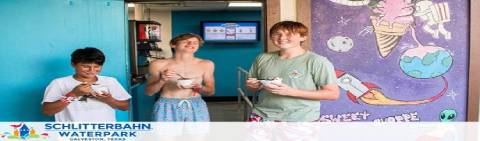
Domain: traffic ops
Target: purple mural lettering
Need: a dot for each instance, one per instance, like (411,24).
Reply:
(406,117)
(345,117)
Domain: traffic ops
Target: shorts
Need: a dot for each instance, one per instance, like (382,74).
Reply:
(180,110)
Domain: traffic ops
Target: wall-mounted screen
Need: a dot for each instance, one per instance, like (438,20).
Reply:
(230,31)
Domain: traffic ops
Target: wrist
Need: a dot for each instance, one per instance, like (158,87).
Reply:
(198,89)
(71,94)
(110,101)
(291,92)
(298,92)
(68,98)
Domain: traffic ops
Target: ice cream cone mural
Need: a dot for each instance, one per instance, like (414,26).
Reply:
(387,35)
(390,21)
(371,94)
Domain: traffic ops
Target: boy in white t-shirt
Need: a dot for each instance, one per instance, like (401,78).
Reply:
(85,96)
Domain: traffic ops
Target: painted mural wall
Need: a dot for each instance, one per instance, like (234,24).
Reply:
(396,60)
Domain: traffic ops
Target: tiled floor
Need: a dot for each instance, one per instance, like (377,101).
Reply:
(225,111)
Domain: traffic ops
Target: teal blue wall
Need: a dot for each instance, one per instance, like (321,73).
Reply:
(36,39)
(142,104)
(226,56)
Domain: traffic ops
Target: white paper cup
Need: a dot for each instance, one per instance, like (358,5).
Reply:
(100,89)
(275,81)
(185,82)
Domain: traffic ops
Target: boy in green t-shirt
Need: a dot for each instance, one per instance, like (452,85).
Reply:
(301,78)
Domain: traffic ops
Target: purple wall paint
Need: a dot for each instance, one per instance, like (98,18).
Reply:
(364,62)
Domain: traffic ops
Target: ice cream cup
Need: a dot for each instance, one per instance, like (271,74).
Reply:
(185,82)
(274,81)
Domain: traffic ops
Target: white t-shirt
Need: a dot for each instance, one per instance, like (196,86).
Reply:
(90,110)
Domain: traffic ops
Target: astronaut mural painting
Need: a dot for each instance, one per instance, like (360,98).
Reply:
(395,60)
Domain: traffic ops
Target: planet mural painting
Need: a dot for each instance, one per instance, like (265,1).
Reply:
(426,62)
(340,43)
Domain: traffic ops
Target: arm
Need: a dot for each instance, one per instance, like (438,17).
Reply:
(51,108)
(119,104)
(252,83)
(117,97)
(209,79)
(154,80)
(327,92)
(114,103)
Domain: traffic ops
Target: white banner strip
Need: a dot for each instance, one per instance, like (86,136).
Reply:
(238,131)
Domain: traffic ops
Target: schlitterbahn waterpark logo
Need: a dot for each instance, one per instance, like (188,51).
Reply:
(22,131)
(97,131)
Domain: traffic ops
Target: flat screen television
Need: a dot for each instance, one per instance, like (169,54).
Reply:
(230,31)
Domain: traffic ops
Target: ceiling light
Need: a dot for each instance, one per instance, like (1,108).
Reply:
(131,5)
(245,4)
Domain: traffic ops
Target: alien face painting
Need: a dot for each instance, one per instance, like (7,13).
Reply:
(448,115)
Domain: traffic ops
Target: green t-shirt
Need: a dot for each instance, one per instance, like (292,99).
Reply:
(308,71)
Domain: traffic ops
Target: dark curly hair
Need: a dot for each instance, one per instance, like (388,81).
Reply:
(88,55)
